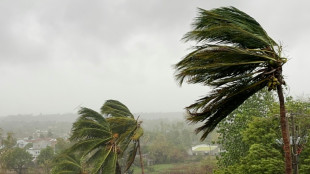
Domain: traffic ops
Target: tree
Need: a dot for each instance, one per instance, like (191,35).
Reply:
(10,141)
(231,128)
(45,158)
(162,150)
(235,56)
(263,156)
(16,159)
(103,139)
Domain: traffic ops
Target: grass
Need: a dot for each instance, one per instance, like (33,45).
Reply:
(154,169)
(206,165)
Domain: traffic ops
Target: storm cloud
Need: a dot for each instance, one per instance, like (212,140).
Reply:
(58,55)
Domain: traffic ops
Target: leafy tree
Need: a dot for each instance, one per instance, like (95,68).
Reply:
(230,129)
(45,158)
(103,139)
(263,130)
(16,159)
(305,157)
(299,111)
(237,58)
(10,141)
(262,160)
(164,151)
(263,155)
(50,134)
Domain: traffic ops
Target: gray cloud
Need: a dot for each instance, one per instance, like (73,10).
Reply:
(56,55)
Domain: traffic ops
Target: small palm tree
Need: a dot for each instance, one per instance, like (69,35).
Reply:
(235,56)
(118,114)
(103,139)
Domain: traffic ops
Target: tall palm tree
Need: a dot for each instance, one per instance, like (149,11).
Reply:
(102,139)
(235,56)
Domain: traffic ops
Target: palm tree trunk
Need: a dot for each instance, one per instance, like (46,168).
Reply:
(285,132)
(141,160)
(118,169)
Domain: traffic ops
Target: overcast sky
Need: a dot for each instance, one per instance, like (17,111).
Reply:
(57,55)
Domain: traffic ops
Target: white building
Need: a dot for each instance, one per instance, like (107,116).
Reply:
(21,143)
(34,152)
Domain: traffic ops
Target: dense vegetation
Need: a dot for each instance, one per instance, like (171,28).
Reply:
(251,137)
(248,137)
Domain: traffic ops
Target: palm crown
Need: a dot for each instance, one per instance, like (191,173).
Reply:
(102,139)
(234,56)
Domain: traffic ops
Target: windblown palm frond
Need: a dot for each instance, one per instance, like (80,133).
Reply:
(68,164)
(121,124)
(234,56)
(115,108)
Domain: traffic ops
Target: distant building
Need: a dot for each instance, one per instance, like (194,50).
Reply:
(34,152)
(21,143)
(204,149)
(39,144)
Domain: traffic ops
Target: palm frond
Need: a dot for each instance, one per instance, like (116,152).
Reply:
(228,25)
(99,158)
(120,125)
(89,114)
(110,164)
(88,145)
(67,163)
(115,108)
(137,134)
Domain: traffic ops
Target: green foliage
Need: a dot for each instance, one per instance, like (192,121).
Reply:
(61,145)
(164,151)
(234,56)
(50,134)
(29,145)
(305,157)
(262,130)
(263,155)
(45,158)
(10,141)
(258,134)
(102,141)
(262,159)
(16,159)
(93,139)
(230,129)
(66,163)
(115,108)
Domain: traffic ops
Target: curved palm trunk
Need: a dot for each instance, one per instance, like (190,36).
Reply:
(141,160)
(285,132)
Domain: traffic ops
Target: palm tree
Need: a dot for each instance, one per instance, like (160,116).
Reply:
(103,139)
(235,56)
(118,114)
